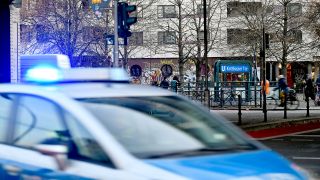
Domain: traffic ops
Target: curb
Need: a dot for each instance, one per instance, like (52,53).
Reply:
(262,131)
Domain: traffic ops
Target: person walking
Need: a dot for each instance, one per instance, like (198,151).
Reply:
(317,95)
(174,84)
(309,88)
(318,83)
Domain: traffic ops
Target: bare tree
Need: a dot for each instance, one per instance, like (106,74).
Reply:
(283,20)
(313,17)
(214,21)
(136,42)
(186,27)
(63,26)
(313,26)
(176,27)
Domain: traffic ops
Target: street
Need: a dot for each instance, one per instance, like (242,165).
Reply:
(303,149)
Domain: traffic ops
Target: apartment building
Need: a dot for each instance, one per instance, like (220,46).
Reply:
(171,31)
(234,34)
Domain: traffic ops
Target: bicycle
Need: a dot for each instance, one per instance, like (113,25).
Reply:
(225,98)
(273,100)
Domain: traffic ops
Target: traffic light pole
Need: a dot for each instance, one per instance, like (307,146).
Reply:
(265,117)
(125,59)
(116,42)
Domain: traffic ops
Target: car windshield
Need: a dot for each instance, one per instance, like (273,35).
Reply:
(162,125)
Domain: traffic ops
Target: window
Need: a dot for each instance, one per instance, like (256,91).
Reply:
(48,5)
(294,9)
(166,11)
(166,37)
(295,36)
(243,8)
(241,36)
(25,33)
(200,10)
(92,33)
(136,39)
(151,126)
(30,4)
(97,32)
(86,33)
(38,121)
(87,147)
(42,34)
(6,104)
(201,36)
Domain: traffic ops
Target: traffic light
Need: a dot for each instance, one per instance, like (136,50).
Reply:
(267,39)
(124,19)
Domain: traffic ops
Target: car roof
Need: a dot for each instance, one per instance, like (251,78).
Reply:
(89,90)
(92,90)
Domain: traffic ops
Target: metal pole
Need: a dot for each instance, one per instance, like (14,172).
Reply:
(116,42)
(125,59)
(285,106)
(255,76)
(308,107)
(206,91)
(239,109)
(17,62)
(264,75)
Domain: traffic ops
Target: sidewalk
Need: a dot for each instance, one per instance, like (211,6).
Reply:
(252,121)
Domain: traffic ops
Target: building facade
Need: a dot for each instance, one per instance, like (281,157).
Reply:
(171,33)
(234,33)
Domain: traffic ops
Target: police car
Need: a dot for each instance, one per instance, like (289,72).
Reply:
(93,124)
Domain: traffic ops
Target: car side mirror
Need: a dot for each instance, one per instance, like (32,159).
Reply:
(58,152)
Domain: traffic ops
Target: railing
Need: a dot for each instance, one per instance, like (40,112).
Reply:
(228,93)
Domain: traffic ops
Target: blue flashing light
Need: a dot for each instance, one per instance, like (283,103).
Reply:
(43,74)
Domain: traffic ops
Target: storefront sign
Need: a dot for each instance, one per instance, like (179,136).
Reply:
(235,68)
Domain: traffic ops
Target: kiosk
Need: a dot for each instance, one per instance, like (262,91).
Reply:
(233,75)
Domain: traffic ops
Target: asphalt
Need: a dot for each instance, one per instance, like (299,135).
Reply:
(276,125)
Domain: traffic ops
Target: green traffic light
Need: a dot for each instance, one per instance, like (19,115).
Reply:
(131,20)
(131,8)
(124,19)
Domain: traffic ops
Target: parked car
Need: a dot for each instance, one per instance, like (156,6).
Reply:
(92,123)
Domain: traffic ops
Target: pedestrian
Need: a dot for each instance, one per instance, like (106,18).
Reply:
(318,83)
(283,87)
(175,84)
(164,83)
(309,88)
(266,87)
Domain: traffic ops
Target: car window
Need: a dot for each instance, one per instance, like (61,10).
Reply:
(38,121)
(87,147)
(142,134)
(166,123)
(6,105)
